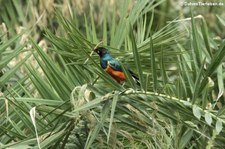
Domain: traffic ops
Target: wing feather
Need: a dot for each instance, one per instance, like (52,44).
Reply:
(115,65)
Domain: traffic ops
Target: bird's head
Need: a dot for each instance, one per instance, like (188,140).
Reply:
(101,51)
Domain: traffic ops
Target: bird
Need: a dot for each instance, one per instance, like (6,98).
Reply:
(112,66)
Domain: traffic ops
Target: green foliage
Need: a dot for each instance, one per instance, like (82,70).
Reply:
(63,98)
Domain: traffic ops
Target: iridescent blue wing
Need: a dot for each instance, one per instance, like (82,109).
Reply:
(114,64)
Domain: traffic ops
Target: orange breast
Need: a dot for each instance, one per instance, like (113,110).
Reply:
(117,75)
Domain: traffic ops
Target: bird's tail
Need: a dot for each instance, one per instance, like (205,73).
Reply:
(135,77)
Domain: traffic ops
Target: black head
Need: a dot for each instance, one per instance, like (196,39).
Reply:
(101,51)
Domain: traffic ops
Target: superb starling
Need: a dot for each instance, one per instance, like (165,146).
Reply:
(112,66)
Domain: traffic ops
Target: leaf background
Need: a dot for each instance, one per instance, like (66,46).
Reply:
(180,102)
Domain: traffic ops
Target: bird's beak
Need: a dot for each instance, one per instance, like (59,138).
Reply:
(96,50)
